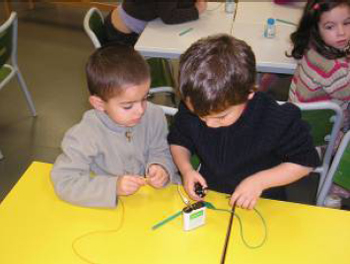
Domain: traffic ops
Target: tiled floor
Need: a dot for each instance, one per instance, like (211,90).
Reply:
(53,49)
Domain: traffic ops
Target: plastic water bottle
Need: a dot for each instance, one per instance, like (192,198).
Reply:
(332,201)
(270,28)
(230,6)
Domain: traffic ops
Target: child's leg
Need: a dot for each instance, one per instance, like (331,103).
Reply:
(115,36)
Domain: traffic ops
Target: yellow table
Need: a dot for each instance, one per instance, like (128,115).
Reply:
(36,227)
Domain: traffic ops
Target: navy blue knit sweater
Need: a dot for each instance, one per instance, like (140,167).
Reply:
(266,135)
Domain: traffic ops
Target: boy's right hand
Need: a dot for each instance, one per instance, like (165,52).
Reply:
(190,179)
(129,184)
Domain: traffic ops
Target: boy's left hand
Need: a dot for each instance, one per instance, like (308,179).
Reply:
(247,193)
(157,176)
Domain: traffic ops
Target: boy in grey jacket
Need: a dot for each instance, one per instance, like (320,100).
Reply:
(120,145)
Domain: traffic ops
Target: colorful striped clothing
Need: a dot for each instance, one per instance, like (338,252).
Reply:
(319,79)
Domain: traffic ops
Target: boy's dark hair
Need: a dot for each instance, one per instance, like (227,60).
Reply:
(307,34)
(216,72)
(113,68)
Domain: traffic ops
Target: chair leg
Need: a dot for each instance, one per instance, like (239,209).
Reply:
(323,188)
(170,69)
(1,156)
(26,92)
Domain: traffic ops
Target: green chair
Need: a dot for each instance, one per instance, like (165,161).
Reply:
(8,59)
(325,120)
(339,171)
(161,75)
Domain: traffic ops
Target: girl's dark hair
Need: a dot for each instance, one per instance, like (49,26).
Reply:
(216,72)
(307,34)
(111,69)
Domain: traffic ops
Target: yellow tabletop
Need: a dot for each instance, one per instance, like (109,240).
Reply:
(37,227)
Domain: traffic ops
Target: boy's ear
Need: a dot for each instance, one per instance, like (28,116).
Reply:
(188,103)
(251,95)
(97,102)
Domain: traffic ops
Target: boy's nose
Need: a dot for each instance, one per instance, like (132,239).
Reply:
(140,109)
(341,30)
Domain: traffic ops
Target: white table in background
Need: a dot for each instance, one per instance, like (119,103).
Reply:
(160,40)
(270,53)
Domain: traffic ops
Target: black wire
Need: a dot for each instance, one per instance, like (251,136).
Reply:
(228,234)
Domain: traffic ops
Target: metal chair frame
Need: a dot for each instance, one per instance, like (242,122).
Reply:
(338,162)
(9,31)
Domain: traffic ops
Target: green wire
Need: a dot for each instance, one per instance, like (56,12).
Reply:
(211,206)
(286,22)
(172,217)
(241,228)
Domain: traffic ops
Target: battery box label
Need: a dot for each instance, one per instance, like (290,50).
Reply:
(196,215)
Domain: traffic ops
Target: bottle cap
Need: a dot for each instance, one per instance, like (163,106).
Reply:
(271,21)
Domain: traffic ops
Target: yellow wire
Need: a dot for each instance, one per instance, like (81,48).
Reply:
(91,233)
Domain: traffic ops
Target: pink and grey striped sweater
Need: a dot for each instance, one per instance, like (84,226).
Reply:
(318,79)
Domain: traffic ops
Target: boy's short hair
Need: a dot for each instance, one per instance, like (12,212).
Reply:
(216,72)
(113,68)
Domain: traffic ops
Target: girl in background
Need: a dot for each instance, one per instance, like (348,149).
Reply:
(321,44)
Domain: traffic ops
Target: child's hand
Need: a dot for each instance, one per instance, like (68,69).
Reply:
(247,193)
(190,180)
(129,184)
(157,176)
(201,5)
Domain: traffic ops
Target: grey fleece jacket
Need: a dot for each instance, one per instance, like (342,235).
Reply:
(97,150)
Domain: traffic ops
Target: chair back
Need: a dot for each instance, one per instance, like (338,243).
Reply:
(161,74)
(8,38)
(339,171)
(94,27)
(321,125)
(325,120)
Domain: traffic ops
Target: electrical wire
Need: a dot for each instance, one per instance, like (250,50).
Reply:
(183,197)
(187,202)
(242,230)
(91,233)
(228,235)
(210,206)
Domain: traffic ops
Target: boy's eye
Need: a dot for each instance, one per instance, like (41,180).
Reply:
(127,107)
(221,117)
(328,27)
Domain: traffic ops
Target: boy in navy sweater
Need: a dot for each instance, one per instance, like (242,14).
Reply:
(247,143)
